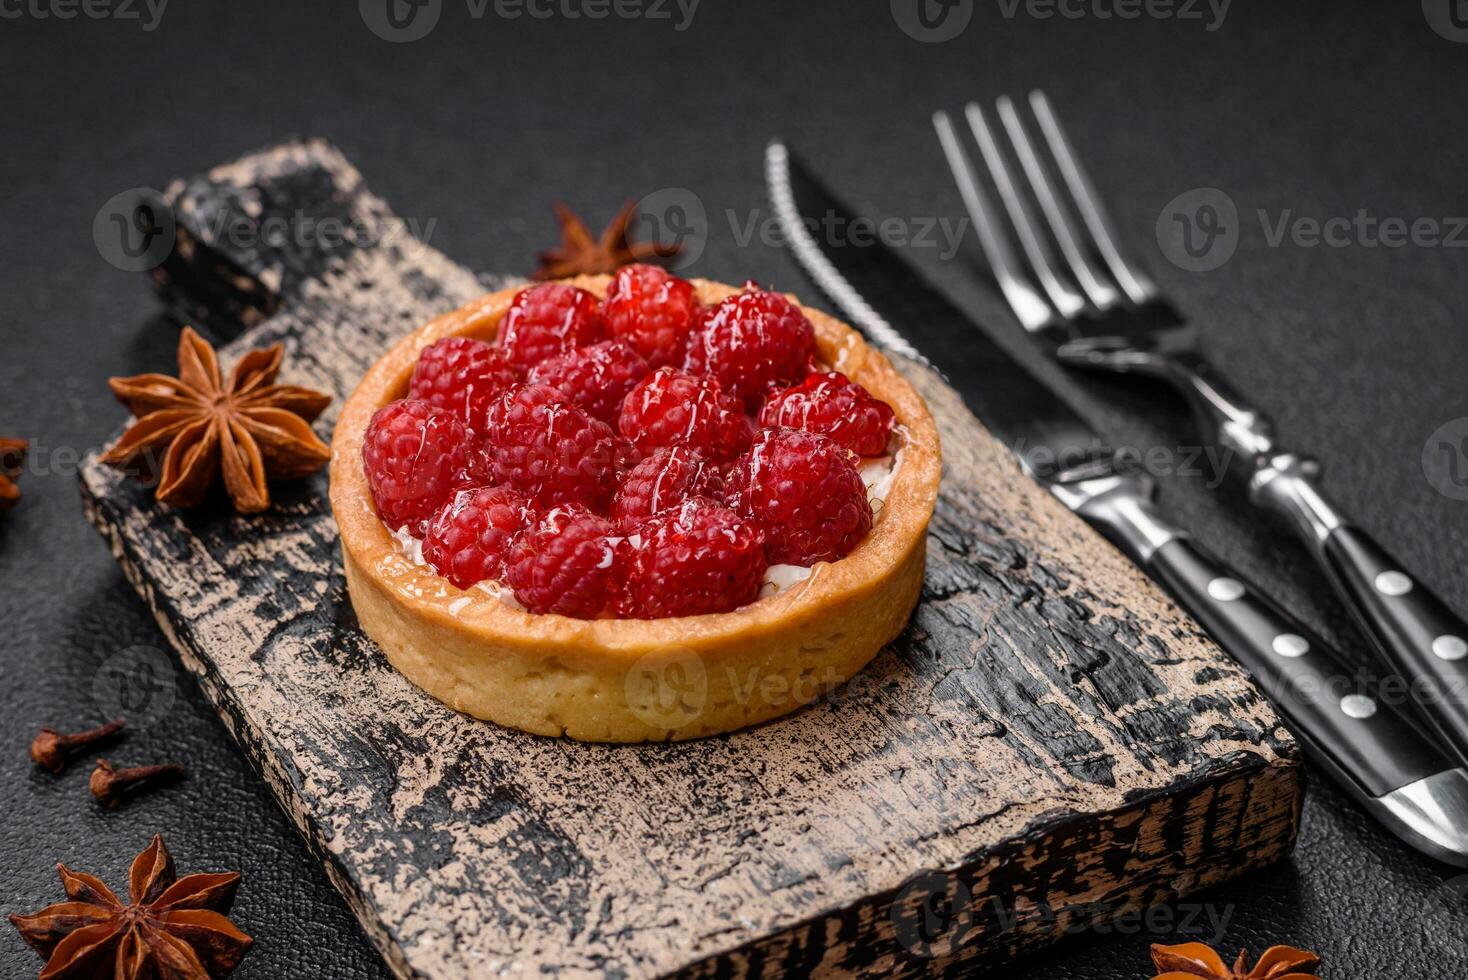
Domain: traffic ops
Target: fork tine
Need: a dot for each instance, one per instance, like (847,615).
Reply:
(1067,301)
(1138,287)
(1029,306)
(1102,294)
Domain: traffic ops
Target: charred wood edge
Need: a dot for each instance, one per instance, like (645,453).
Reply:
(865,931)
(860,935)
(243,241)
(213,280)
(284,782)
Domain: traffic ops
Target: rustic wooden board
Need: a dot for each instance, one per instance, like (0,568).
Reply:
(1051,733)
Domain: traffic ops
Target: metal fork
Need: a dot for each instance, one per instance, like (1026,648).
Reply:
(1096,309)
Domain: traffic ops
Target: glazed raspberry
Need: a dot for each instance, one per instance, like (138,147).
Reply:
(569,562)
(468,538)
(463,376)
(665,479)
(832,404)
(552,451)
(414,456)
(699,557)
(594,378)
(670,408)
(652,310)
(752,341)
(550,319)
(804,490)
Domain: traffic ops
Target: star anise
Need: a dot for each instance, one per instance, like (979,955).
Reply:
(1193,960)
(251,428)
(582,255)
(171,928)
(12,454)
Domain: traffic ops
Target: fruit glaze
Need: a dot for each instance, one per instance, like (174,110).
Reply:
(637,457)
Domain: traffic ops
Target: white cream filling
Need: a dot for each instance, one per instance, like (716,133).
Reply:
(877,472)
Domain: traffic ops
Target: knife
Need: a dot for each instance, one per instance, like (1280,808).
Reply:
(1366,745)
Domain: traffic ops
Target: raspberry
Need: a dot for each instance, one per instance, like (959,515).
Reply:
(670,408)
(699,557)
(568,562)
(414,456)
(468,538)
(594,378)
(804,490)
(652,310)
(832,404)
(752,341)
(665,479)
(463,376)
(550,319)
(552,451)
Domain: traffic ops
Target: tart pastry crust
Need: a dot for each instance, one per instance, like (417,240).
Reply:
(630,680)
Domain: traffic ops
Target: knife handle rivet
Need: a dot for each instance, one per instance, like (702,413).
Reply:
(1290,645)
(1449,647)
(1225,589)
(1393,582)
(1358,706)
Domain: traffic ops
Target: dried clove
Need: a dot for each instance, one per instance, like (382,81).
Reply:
(50,748)
(109,784)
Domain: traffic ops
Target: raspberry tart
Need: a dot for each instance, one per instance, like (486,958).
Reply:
(633,507)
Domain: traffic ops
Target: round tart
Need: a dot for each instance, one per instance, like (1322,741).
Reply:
(629,679)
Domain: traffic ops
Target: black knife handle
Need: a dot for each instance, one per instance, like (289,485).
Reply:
(1417,636)
(1420,638)
(1361,737)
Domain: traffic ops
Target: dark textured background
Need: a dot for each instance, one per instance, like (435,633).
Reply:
(1319,108)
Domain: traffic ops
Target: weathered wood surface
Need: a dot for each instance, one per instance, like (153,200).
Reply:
(1051,734)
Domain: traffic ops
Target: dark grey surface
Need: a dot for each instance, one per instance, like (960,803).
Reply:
(1318,108)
